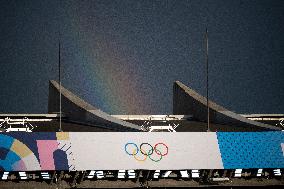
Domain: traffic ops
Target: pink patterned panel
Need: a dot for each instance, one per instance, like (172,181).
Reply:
(45,150)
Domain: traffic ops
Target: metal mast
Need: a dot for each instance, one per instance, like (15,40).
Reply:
(207,86)
(59,74)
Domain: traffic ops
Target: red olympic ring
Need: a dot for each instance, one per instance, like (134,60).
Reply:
(159,153)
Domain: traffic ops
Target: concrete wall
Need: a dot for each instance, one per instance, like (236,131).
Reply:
(76,109)
(187,101)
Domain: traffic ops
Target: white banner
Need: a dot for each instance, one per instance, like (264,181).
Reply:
(163,151)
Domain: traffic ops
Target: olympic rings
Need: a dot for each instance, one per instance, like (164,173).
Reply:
(147,151)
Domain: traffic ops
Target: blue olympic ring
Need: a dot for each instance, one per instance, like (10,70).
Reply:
(125,148)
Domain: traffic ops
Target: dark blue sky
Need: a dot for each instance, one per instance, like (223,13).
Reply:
(123,56)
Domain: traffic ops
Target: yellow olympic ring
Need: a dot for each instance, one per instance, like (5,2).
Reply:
(134,154)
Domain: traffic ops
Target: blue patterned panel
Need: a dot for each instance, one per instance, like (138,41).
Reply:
(3,153)
(60,160)
(251,149)
(6,141)
(11,158)
(7,157)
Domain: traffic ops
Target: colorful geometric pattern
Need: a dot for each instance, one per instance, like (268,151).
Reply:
(31,151)
(20,151)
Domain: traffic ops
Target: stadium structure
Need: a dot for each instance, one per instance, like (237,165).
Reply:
(78,143)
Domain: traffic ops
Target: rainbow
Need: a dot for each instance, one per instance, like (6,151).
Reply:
(110,72)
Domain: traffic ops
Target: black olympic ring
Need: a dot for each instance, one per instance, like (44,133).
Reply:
(152,149)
